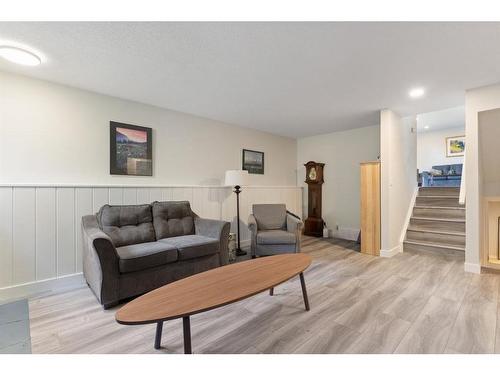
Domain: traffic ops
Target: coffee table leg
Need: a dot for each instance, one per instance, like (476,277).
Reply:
(187,334)
(159,329)
(304,291)
(271,292)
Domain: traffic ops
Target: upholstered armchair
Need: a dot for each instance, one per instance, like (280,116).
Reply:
(273,230)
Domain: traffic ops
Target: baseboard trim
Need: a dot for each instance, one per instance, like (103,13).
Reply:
(391,252)
(472,267)
(46,286)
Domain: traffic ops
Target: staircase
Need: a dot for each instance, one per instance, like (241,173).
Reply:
(438,222)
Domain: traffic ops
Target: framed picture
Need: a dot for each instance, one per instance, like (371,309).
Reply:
(455,146)
(131,150)
(253,161)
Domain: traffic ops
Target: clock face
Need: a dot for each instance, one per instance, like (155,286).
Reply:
(312,174)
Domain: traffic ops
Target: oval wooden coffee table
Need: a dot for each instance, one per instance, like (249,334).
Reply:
(211,289)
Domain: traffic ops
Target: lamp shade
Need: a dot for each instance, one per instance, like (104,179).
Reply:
(236,178)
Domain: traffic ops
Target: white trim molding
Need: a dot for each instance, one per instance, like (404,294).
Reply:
(472,268)
(150,186)
(48,286)
(391,252)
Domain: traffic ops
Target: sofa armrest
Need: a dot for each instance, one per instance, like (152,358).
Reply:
(294,225)
(252,227)
(252,223)
(100,262)
(215,229)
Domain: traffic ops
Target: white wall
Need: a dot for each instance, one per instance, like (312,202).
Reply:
(431,148)
(341,152)
(476,100)
(54,168)
(51,133)
(398,156)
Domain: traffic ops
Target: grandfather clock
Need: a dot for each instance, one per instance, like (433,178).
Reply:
(314,180)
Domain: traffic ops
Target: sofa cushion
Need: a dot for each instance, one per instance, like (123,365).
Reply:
(449,169)
(172,219)
(127,225)
(275,237)
(145,255)
(193,246)
(270,216)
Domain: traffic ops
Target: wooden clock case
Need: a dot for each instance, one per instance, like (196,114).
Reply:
(314,179)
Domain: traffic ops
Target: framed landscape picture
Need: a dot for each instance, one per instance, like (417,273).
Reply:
(455,146)
(131,150)
(253,161)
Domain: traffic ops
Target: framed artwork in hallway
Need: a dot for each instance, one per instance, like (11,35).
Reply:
(131,150)
(455,146)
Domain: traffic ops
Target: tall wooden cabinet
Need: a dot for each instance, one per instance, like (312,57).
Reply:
(314,180)
(370,207)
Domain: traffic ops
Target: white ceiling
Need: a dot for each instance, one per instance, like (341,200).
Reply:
(439,120)
(294,79)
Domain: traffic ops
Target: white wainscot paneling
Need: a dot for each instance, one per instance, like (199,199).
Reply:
(83,206)
(143,196)
(129,196)
(40,226)
(66,231)
(45,222)
(116,196)
(23,226)
(24,234)
(100,197)
(155,194)
(6,201)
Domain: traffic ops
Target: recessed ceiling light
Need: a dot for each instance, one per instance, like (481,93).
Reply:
(426,127)
(19,56)
(416,92)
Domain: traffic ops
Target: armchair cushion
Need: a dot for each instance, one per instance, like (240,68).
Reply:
(172,219)
(193,246)
(275,237)
(145,255)
(127,225)
(270,216)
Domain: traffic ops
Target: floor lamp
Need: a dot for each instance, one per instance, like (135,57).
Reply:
(237,179)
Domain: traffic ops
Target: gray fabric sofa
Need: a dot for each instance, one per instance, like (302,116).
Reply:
(450,176)
(130,250)
(273,230)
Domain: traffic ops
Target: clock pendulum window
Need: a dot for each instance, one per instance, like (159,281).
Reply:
(314,180)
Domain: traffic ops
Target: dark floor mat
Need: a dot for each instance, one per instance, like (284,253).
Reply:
(15,328)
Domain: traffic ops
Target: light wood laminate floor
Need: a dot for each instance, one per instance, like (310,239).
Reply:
(411,303)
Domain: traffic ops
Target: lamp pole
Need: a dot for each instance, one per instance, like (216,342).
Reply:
(237,178)
(237,190)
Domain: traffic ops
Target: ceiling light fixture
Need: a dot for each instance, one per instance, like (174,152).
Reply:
(426,127)
(19,56)
(416,92)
